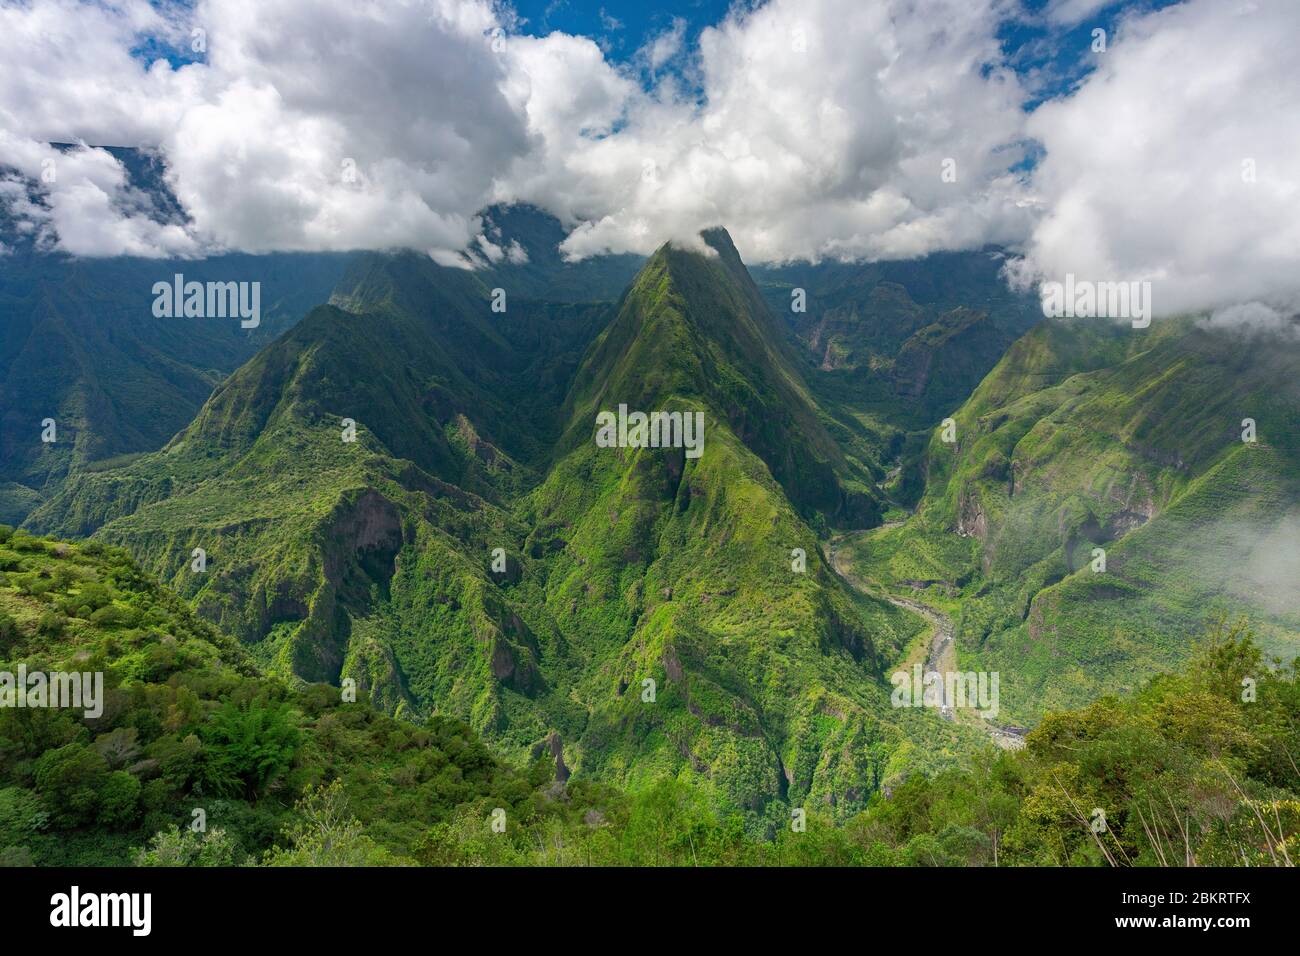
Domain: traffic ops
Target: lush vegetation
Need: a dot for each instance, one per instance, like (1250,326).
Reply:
(636,616)
(190,729)
(1088,436)
(1198,766)
(374,560)
(890,348)
(80,345)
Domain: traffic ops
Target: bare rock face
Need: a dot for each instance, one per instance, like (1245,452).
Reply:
(503,661)
(557,751)
(673,665)
(971,520)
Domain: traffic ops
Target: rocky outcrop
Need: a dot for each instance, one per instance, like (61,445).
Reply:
(971,518)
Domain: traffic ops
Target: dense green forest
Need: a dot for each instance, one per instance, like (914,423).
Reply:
(443,536)
(372,560)
(1199,766)
(1078,529)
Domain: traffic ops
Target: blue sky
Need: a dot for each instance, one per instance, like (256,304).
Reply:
(1046,53)
(1061,55)
(620,26)
(1035,47)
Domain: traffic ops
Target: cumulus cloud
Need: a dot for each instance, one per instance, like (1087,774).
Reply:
(333,126)
(1176,161)
(811,129)
(820,130)
(303,126)
(86,206)
(69,77)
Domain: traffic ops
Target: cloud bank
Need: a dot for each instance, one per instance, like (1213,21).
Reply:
(851,129)
(1176,162)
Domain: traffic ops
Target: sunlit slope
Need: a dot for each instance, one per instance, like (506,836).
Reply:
(474,552)
(1088,436)
(680,571)
(302,528)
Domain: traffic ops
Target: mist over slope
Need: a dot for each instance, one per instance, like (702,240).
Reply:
(1107,491)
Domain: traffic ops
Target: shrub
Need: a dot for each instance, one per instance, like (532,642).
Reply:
(21,815)
(249,746)
(9,633)
(70,778)
(177,847)
(50,624)
(114,616)
(326,834)
(119,799)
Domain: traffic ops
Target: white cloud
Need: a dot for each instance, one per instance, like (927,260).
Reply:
(1148,167)
(68,77)
(308,126)
(87,207)
(823,131)
(1071,12)
(810,129)
(610,22)
(666,45)
(1254,318)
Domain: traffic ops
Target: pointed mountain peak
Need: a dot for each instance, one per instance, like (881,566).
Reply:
(719,240)
(710,254)
(712,243)
(693,326)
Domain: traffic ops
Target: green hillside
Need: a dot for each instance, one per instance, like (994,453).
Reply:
(197,759)
(79,344)
(193,758)
(639,611)
(303,528)
(678,570)
(890,348)
(1089,435)
(376,559)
